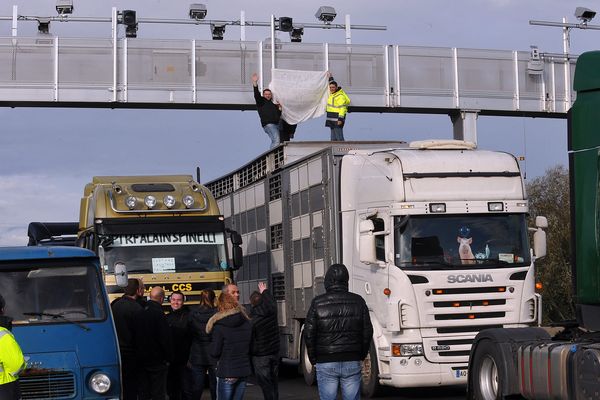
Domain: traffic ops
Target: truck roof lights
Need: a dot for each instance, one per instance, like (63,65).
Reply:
(131,201)
(496,206)
(150,201)
(437,207)
(188,201)
(169,201)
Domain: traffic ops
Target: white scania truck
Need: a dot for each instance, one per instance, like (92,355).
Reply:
(434,236)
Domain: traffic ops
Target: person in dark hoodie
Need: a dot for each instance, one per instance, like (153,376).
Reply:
(178,376)
(265,341)
(231,338)
(269,112)
(201,363)
(154,347)
(338,333)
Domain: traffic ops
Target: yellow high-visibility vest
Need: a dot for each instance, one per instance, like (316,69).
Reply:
(12,361)
(337,105)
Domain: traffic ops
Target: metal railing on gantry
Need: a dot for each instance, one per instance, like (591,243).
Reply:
(71,72)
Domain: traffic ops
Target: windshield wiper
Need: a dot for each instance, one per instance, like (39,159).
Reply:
(44,314)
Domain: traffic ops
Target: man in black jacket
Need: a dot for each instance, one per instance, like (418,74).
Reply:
(338,333)
(125,310)
(269,112)
(154,347)
(265,341)
(178,377)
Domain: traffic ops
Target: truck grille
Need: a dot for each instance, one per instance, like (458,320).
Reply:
(465,329)
(47,385)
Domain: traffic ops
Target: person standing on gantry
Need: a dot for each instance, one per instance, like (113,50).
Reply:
(337,108)
(269,112)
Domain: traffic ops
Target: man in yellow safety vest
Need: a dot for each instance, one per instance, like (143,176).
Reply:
(337,108)
(11,359)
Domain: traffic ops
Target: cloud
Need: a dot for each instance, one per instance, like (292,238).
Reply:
(31,197)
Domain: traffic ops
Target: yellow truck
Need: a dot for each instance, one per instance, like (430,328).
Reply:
(165,229)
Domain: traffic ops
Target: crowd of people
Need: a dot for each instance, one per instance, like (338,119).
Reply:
(217,344)
(279,130)
(220,344)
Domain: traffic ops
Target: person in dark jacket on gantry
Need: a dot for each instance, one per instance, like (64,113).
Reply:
(338,333)
(201,362)
(231,338)
(265,341)
(268,111)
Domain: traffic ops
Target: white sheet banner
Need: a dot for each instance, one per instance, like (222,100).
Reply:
(302,94)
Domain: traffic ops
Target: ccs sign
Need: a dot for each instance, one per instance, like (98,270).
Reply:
(182,287)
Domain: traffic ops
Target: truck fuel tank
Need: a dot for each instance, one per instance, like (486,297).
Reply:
(543,369)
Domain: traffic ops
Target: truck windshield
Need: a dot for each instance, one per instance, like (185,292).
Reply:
(166,252)
(37,294)
(461,241)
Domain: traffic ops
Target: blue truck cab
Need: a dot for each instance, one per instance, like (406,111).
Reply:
(62,321)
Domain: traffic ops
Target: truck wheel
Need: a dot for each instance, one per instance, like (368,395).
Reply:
(370,374)
(485,375)
(307,369)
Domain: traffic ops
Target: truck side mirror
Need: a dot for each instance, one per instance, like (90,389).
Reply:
(367,242)
(539,243)
(541,222)
(236,238)
(121,274)
(236,250)
(237,257)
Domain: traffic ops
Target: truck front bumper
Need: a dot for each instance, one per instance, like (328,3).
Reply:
(418,372)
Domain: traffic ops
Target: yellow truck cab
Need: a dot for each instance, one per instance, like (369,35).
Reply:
(166,230)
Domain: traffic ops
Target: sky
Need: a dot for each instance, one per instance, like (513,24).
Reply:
(48,155)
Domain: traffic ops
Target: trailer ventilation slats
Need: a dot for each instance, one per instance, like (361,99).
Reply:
(276,236)
(48,385)
(278,286)
(253,172)
(278,158)
(222,187)
(274,187)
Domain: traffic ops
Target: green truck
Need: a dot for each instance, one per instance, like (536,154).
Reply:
(528,362)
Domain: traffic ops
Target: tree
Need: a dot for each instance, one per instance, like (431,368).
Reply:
(549,196)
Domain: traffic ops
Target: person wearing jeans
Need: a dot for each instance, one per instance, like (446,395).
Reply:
(346,374)
(269,112)
(338,334)
(337,108)
(231,337)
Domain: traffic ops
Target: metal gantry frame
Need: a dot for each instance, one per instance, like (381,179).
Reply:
(398,80)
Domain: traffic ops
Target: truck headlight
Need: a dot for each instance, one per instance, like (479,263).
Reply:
(99,382)
(188,201)
(407,350)
(169,201)
(150,201)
